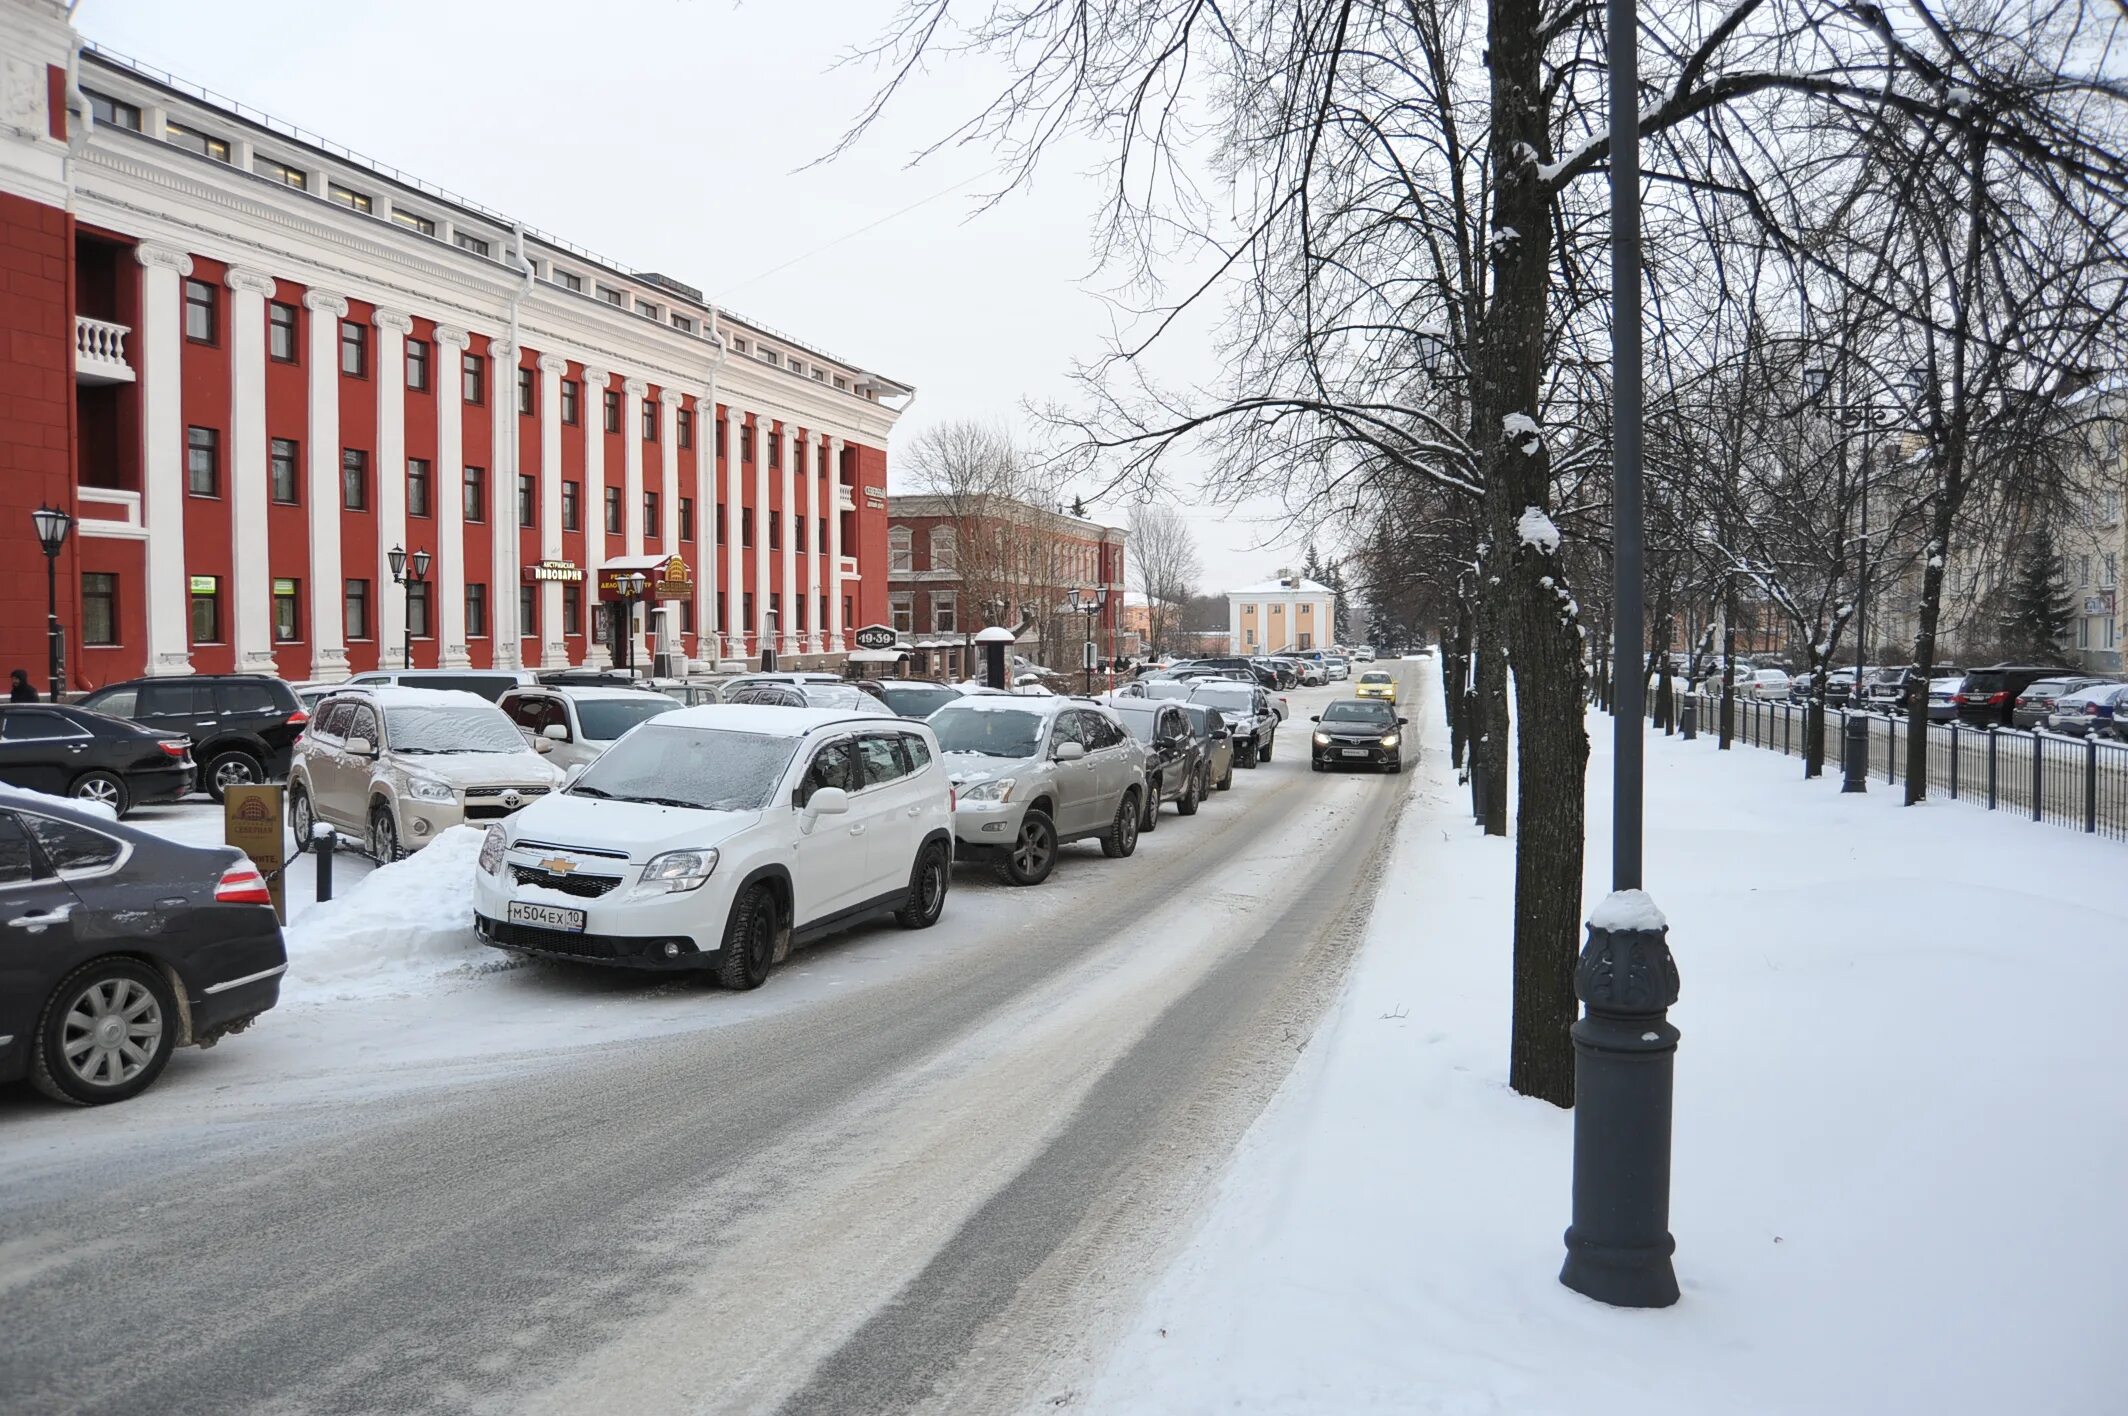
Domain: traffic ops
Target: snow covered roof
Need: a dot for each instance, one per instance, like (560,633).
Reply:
(1300,586)
(766,719)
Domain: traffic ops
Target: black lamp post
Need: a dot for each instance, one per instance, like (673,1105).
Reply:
(768,644)
(52,525)
(627,589)
(407,576)
(1089,605)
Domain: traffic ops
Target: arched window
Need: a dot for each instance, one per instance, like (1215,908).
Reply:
(898,548)
(944,555)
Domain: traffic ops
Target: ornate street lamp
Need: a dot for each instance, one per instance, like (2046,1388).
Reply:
(406,577)
(52,525)
(627,590)
(1089,605)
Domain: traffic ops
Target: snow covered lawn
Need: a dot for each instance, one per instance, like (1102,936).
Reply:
(1900,1141)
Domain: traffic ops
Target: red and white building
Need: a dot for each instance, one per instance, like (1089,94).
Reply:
(251,364)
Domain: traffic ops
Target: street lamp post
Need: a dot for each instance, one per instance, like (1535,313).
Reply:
(627,589)
(52,525)
(768,644)
(1089,605)
(407,577)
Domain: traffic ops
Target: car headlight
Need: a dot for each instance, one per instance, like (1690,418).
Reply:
(1322,739)
(1389,739)
(676,871)
(423,789)
(998,789)
(492,849)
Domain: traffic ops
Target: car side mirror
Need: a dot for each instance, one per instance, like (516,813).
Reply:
(554,732)
(1402,721)
(1315,717)
(360,747)
(1069,751)
(828,801)
(569,777)
(542,746)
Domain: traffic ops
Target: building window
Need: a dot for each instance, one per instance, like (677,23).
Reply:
(413,221)
(417,610)
(528,612)
(476,611)
(572,506)
(113,113)
(738,346)
(775,451)
(768,356)
(717,527)
(418,483)
(281,332)
(572,401)
(684,428)
(898,550)
(527,394)
(206,609)
(287,612)
(281,172)
(476,494)
(527,499)
(651,523)
(901,610)
(354,349)
(283,461)
(99,608)
(193,140)
(820,375)
(417,365)
(798,529)
(200,312)
(354,479)
(650,420)
(775,532)
(687,617)
(842,383)
(687,518)
(2109,569)
(849,609)
(612,296)
(613,511)
(473,377)
(572,609)
(746,527)
(945,608)
(347,197)
(569,281)
(470,243)
(203,462)
(746,442)
(647,310)
(683,324)
(613,411)
(356,620)
(942,548)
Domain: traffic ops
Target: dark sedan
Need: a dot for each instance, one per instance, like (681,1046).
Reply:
(1175,766)
(62,751)
(1359,732)
(119,946)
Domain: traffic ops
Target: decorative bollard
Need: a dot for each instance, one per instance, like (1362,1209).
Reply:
(322,842)
(1854,767)
(1688,720)
(1619,1245)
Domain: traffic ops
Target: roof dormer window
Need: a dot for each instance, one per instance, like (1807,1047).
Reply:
(192,140)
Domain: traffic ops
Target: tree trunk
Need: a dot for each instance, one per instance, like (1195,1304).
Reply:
(1489,719)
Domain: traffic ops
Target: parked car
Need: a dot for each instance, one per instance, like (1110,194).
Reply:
(400,766)
(1358,732)
(1376,683)
(2035,703)
(2085,712)
(1839,687)
(65,751)
(1249,713)
(1943,698)
(1174,766)
(1337,668)
(2108,714)
(1215,738)
(1989,697)
(1363,653)
(1031,774)
(913,698)
(733,685)
(1770,684)
(1234,666)
(242,726)
(1892,690)
(577,724)
(720,838)
(807,695)
(490,684)
(122,947)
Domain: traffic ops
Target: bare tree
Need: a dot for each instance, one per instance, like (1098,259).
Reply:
(1164,564)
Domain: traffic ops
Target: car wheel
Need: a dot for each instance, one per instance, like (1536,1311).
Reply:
(1248,754)
(1226,783)
(749,939)
(927,887)
(232,769)
(1315,764)
(101,787)
(1265,755)
(1149,819)
(1033,852)
(1396,763)
(105,1034)
(383,842)
(302,820)
(1122,835)
(1186,804)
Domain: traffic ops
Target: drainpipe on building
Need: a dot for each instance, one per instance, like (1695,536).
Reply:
(506,388)
(706,437)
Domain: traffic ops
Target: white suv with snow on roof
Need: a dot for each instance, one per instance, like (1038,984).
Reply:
(716,838)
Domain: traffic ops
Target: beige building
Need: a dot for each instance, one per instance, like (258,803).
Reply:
(1281,616)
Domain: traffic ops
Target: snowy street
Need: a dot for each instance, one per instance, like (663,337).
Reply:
(914,1171)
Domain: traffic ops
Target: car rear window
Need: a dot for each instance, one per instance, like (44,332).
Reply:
(607,718)
(918,702)
(119,702)
(1984,681)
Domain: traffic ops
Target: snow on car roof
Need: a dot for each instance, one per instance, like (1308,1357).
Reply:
(390,695)
(1009,702)
(582,691)
(769,719)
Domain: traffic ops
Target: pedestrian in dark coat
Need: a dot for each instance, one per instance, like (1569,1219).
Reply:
(19,690)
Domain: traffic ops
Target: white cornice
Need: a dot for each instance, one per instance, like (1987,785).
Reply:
(397,320)
(326,300)
(160,257)
(555,364)
(634,388)
(452,336)
(248,280)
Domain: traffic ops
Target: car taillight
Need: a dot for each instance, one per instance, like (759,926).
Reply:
(2092,709)
(1958,698)
(241,884)
(1997,697)
(298,718)
(953,799)
(174,749)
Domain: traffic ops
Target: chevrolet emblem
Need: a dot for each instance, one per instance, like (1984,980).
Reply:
(560,865)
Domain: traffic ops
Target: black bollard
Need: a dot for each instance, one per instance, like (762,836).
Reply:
(1618,1247)
(321,846)
(1688,720)
(1854,771)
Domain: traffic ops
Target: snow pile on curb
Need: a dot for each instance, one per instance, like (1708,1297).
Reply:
(397,927)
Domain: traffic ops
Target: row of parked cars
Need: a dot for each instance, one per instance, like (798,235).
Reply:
(2000,695)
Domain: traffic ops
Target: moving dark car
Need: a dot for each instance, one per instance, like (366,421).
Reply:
(1175,767)
(1358,732)
(243,726)
(120,947)
(65,751)
(1989,697)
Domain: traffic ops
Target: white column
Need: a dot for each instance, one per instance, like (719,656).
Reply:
(760,436)
(668,506)
(388,466)
(817,500)
(162,350)
(632,394)
(553,646)
(734,553)
(328,590)
(789,555)
(598,650)
(507,635)
(706,626)
(250,574)
(838,641)
(447,498)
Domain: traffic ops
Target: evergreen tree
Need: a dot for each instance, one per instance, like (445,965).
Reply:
(1341,625)
(1311,566)
(2038,615)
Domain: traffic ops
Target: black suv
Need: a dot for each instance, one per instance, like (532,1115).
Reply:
(1234,667)
(1176,769)
(243,726)
(1989,697)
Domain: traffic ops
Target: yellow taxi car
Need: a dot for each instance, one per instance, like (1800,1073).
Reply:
(1376,683)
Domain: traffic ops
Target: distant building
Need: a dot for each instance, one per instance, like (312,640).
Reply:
(1282,615)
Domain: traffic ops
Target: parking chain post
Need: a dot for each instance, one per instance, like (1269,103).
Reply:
(1688,719)
(1854,763)
(2091,783)
(1954,759)
(321,846)
(1991,769)
(1891,750)
(2039,777)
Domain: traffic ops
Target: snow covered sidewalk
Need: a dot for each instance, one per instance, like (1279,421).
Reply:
(1900,1144)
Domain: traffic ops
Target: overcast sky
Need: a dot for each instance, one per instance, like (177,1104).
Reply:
(675,135)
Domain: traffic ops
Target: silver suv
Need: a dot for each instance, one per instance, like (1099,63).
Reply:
(1032,772)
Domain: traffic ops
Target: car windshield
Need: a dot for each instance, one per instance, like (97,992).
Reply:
(605,719)
(835,695)
(1234,700)
(917,702)
(706,769)
(1359,713)
(425,729)
(1374,678)
(2047,687)
(990,732)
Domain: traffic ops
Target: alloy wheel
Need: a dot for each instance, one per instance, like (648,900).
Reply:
(1030,853)
(234,772)
(111,1032)
(98,789)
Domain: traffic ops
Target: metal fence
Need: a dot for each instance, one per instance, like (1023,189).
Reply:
(2081,783)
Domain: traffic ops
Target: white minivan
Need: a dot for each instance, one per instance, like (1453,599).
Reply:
(716,838)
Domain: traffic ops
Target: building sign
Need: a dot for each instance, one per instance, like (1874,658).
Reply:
(559,571)
(675,581)
(876,498)
(251,821)
(203,585)
(875,636)
(2099,604)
